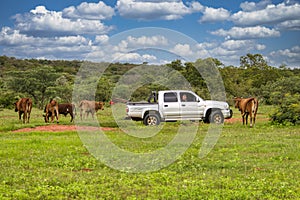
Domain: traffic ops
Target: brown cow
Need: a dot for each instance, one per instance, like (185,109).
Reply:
(92,107)
(52,107)
(63,108)
(247,106)
(24,106)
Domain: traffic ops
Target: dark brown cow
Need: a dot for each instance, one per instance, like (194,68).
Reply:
(52,107)
(24,106)
(63,108)
(247,106)
(92,107)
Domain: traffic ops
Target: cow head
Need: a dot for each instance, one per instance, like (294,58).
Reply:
(16,106)
(99,105)
(237,101)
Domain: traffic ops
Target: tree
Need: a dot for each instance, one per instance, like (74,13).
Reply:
(288,111)
(176,64)
(33,82)
(253,61)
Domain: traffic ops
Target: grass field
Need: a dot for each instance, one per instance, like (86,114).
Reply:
(258,163)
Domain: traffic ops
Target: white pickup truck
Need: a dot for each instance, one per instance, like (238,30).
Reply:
(174,105)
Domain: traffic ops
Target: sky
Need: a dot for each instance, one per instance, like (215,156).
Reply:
(152,31)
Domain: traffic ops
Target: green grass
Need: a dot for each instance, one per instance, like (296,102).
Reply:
(246,163)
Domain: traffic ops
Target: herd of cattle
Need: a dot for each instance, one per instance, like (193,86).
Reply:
(53,109)
(247,106)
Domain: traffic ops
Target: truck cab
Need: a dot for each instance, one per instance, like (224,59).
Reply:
(176,105)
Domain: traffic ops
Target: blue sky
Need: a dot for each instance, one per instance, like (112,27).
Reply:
(152,31)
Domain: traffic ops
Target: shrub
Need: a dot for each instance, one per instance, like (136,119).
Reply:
(288,111)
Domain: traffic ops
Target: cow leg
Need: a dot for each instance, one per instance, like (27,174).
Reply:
(71,116)
(28,117)
(20,114)
(52,115)
(56,115)
(247,118)
(254,116)
(250,120)
(47,117)
(52,118)
(243,116)
(80,114)
(24,117)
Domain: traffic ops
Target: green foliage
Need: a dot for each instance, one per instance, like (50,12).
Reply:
(288,111)
(274,92)
(253,61)
(33,82)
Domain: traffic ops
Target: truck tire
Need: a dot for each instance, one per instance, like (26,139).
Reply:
(216,117)
(151,120)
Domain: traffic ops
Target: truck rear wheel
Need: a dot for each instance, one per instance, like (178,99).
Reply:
(151,120)
(216,117)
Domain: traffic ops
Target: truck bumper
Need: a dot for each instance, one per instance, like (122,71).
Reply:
(228,114)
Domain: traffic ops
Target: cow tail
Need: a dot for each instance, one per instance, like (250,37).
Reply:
(73,109)
(254,106)
(27,105)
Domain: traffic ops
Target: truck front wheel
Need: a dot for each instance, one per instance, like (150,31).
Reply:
(151,120)
(216,117)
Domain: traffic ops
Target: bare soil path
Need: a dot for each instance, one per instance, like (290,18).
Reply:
(60,128)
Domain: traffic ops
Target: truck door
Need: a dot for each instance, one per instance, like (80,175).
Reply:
(170,106)
(189,106)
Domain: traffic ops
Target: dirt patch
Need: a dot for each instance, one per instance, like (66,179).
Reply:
(60,128)
(232,120)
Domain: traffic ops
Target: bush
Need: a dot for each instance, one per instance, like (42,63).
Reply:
(288,111)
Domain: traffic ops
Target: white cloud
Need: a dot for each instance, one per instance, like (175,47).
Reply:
(214,15)
(133,57)
(94,11)
(242,45)
(270,15)
(101,39)
(235,45)
(19,44)
(156,40)
(41,21)
(183,50)
(206,45)
(253,6)
(289,25)
(286,56)
(153,10)
(247,32)
(260,47)
(10,37)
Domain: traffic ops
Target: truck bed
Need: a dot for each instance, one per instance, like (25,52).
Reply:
(141,103)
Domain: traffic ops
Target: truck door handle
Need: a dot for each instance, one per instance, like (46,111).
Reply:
(183,105)
(166,106)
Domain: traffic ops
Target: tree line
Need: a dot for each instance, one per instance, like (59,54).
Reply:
(45,79)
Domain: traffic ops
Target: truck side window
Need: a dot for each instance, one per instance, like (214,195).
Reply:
(170,97)
(187,97)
